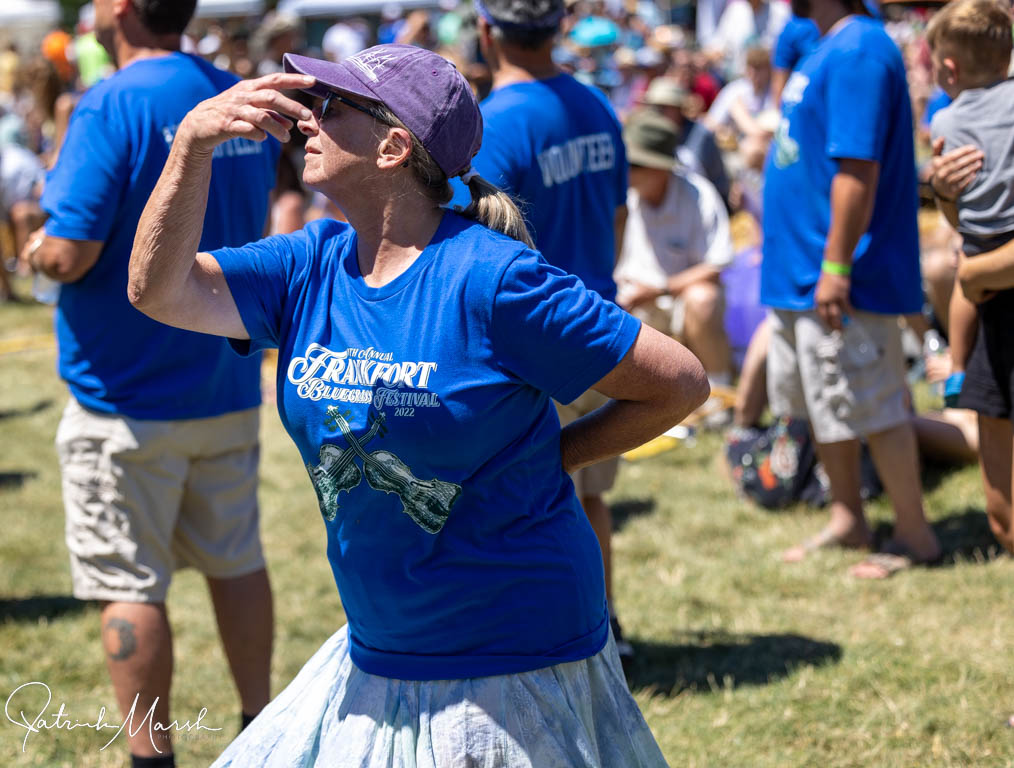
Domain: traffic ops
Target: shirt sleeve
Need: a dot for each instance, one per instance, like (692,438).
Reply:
(85,189)
(785,56)
(552,332)
(859,91)
(262,278)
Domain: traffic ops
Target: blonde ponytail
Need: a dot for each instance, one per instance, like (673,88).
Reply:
(493,208)
(490,206)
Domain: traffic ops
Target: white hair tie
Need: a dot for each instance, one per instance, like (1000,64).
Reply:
(468,175)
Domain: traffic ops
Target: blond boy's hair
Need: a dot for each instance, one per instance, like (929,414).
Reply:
(975,32)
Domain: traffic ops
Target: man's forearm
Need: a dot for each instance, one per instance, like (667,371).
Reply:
(698,273)
(853,190)
(162,260)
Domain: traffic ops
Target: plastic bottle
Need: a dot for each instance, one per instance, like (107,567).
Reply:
(933,344)
(45,289)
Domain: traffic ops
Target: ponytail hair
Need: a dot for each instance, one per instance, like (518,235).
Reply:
(490,206)
(493,208)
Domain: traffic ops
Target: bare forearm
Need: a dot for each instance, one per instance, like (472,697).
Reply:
(950,211)
(656,385)
(616,427)
(169,232)
(698,273)
(962,325)
(853,191)
(993,270)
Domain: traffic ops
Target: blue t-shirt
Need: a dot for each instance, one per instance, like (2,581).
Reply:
(848,99)
(938,100)
(422,410)
(114,358)
(556,146)
(798,37)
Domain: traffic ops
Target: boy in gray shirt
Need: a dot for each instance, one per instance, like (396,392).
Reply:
(971,44)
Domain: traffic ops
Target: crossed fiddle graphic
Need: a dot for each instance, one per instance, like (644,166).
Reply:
(427,502)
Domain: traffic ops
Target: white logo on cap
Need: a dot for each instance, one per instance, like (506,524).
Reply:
(371,63)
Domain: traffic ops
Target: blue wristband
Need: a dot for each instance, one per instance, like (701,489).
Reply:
(952,388)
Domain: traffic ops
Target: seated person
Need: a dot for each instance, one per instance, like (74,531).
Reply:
(740,103)
(776,465)
(21,178)
(675,244)
(695,146)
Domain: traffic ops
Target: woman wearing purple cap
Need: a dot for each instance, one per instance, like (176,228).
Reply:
(419,349)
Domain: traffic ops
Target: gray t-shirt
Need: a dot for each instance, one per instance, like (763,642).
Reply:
(983,117)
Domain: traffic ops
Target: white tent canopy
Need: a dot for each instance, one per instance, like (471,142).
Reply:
(338,8)
(220,9)
(19,12)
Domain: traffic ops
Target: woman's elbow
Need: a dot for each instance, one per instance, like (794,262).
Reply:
(140,294)
(695,388)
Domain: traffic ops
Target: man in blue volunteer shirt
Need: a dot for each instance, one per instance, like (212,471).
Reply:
(841,262)
(158,445)
(555,145)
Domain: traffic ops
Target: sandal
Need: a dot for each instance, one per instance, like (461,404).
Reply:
(821,540)
(891,559)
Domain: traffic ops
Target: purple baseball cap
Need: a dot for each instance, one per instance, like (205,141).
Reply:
(422,88)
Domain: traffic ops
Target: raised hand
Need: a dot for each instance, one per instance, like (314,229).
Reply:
(251,109)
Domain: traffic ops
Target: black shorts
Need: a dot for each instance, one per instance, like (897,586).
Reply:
(989,375)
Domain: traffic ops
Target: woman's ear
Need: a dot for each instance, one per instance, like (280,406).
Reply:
(394,149)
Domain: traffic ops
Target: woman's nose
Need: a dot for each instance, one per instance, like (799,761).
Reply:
(308,127)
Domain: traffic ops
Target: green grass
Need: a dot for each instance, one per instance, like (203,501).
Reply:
(742,661)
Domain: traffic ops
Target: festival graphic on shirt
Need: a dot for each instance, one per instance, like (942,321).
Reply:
(427,502)
(786,149)
(362,376)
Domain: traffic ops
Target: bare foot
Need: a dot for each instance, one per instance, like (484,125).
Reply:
(857,538)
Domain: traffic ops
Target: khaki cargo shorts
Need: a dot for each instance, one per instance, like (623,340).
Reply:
(848,392)
(596,479)
(144,498)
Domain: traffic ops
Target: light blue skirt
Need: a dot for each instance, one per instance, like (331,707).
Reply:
(574,715)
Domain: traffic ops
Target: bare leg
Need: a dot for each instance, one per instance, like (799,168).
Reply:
(939,266)
(896,457)
(704,327)
(964,326)
(951,436)
(139,656)
(601,519)
(995,459)
(752,392)
(245,617)
(26,217)
(847,526)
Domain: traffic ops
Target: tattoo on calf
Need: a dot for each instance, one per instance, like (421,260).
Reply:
(128,639)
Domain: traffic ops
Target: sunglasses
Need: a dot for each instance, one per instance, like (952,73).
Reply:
(332,96)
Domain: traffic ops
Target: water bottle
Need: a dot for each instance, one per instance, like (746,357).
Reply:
(933,344)
(45,289)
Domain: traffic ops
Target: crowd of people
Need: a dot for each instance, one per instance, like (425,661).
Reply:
(509,240)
